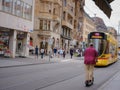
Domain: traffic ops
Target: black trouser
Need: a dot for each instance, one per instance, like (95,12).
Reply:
(71,55)
(42,55)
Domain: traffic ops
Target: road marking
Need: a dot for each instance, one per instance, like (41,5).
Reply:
(66,60)
(72,60)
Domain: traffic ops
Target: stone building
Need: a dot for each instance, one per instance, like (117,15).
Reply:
(47,24)
(57,23)
(77,32)
(100,25)
(68,12)
(112,31)
(89,26)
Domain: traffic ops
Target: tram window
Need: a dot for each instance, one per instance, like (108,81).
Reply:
(107,48)
(100,46)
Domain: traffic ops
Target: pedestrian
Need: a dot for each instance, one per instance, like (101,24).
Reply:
(42,53)
(71,52)
(36,52)
(64,53)
(80,52)
(55,51)
(58,51)
(90,58)
(61,51)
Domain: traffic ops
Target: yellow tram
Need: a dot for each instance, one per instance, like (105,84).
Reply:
(106,45)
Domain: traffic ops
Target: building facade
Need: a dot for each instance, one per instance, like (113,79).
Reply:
(16,22)
(112,31)
(68,12)
(72,21)
(57,23)
(99,24)
(77,32)
(89,26)
(47,24)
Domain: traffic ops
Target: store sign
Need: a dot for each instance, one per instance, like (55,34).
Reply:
(20,35)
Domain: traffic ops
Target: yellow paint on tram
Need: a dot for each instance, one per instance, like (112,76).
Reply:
(108,48)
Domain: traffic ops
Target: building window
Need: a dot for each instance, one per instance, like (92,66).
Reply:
(54,11)
(48,25)
(50,7)
(63,31)
(18,8)
(64,3)
(7,5)
(69,33)
(27,11)
(45,24)
(41,24)
(63,15)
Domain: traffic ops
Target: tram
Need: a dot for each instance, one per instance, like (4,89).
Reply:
(106,45)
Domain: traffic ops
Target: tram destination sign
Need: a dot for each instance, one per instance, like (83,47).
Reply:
(97,35)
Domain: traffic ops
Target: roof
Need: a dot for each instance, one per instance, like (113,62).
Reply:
(104,5)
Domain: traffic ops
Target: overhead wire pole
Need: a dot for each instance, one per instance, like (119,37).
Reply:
(119,28)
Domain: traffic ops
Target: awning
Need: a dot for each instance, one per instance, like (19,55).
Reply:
(104,5)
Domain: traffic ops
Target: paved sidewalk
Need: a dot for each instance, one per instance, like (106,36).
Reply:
(31,60)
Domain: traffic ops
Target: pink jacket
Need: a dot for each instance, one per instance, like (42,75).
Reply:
(90,55)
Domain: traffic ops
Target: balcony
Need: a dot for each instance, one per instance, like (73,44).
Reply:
(54,1)
(50,16)
(68,11)
(58,2)
(56,17)
(46,15)
(45,33)
(65,23)
(66,37)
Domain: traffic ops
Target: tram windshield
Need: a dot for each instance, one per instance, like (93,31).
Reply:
(100,45)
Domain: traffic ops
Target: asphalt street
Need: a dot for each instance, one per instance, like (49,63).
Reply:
(65,75)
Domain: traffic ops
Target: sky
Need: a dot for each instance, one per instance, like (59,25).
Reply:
(93,10)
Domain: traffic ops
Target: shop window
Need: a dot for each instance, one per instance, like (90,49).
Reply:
(7,5)
(18,8)
(20,36)
(4,41)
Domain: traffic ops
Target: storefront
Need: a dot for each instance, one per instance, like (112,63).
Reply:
(13,43)
(20,43)
(4,41)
